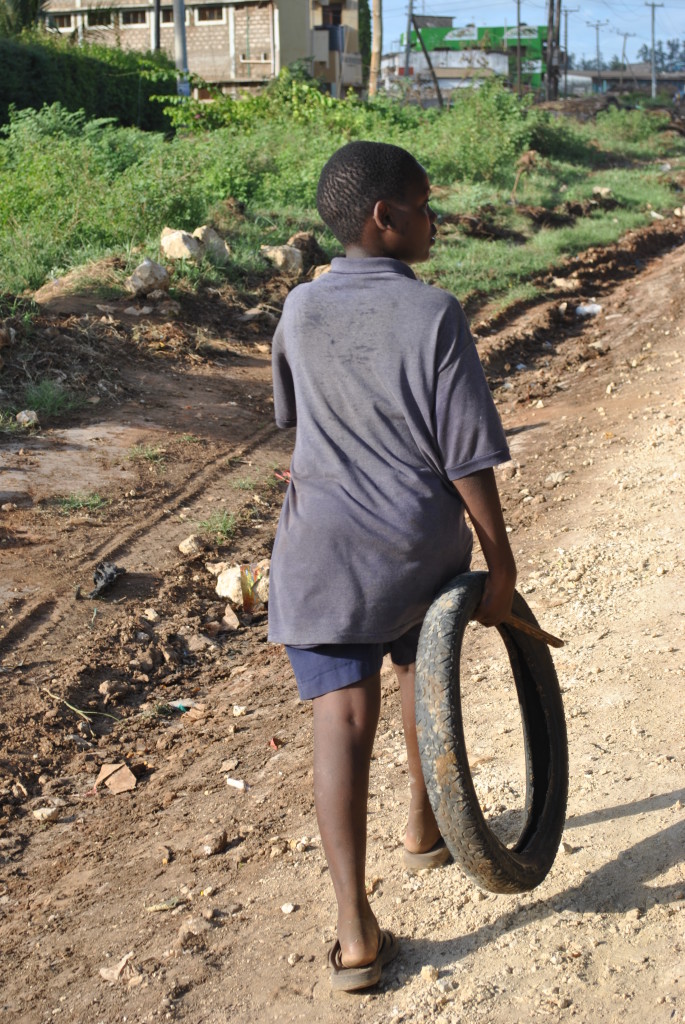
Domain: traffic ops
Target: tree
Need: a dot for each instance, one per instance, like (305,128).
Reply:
(615,64)
(17,15)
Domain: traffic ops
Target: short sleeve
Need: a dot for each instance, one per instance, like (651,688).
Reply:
(284,391)
(469,431)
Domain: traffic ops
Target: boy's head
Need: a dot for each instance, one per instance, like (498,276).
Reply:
(374,198)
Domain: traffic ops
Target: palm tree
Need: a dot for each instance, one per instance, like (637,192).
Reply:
(17,15)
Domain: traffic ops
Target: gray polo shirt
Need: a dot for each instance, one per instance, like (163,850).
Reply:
(380,375)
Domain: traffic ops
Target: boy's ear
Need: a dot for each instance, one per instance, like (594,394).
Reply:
(382,215)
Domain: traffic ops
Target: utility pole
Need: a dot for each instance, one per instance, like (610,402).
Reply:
(557,48)
(624,58)
(518,48)
(376,46)
(180,51)
(156,17)
(426,54)
(653,6)
(407,41)
(597,25)
(567,11)
(549,89)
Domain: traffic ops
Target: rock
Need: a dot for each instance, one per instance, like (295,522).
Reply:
(117,777)
(113,689)
(27,418)
(284,257)
(192,545)
(229,587)
(429,973)
(179,245)
(288,908)
(239,710)
(553,480)
(602,191)
(312,252)
(261,586)
(600,346)
(211,845)
(134,311)
(192,934)
(588,309)
(158,295)
(216,568)
(151,615)
(656,216)
(294,958)
(46,814)
(230,621)
(148,277)
(238,784)
(214,246)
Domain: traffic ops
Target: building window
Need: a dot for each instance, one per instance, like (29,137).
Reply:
(203,15)
(133,18)
(99,19)
(168,16)
(332,15)
(62,22)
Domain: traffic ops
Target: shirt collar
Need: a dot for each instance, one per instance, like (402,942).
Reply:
(371,265)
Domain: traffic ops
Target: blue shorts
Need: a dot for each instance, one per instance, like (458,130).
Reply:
(327,667)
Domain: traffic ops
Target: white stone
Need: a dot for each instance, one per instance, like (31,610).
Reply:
(214,246)
(429,972)
(230,620)
(148,277)
(45,814)
(191,545)
(288,908)
(27,418)
(179,245)
(285,257)
(228,586)
(261,587)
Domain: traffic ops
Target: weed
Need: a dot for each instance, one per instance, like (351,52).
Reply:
(243,484)
(220,526)
(152,454)
(50,398)
(190,439)
(80,502)
(8,423)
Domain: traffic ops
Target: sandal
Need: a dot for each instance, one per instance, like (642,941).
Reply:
(354,979)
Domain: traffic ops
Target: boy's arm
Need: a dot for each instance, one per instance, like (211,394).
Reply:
(479,493)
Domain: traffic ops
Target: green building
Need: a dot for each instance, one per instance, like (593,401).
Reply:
(503,39)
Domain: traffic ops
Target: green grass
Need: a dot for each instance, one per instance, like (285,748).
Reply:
(8,423)
(82,502)
(73,190)
(220,526)
(48,398)
(152,454)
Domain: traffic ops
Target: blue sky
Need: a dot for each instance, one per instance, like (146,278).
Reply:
(620,16)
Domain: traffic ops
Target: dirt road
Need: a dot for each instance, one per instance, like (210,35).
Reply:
(124,884)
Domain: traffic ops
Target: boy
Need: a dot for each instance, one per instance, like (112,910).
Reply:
(396,435)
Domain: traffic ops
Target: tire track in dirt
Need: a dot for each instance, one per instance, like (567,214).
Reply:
(38,620)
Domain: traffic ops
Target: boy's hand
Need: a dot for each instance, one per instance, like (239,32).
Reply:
(495,603)
(479,493)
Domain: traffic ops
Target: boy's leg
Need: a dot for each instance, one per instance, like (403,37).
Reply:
(344,729)
(422,829)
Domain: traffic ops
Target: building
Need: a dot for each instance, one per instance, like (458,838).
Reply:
(234,45)
(466,55)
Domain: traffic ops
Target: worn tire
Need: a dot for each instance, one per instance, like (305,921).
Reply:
(445,763)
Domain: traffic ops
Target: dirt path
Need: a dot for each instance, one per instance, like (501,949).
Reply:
(594,499)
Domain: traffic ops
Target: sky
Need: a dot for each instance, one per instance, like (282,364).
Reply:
(618,16)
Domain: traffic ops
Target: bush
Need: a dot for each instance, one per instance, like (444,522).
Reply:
(101,80)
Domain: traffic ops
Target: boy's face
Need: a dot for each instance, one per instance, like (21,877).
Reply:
(413,223)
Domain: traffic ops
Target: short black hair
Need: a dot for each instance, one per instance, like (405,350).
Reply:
(355,178)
